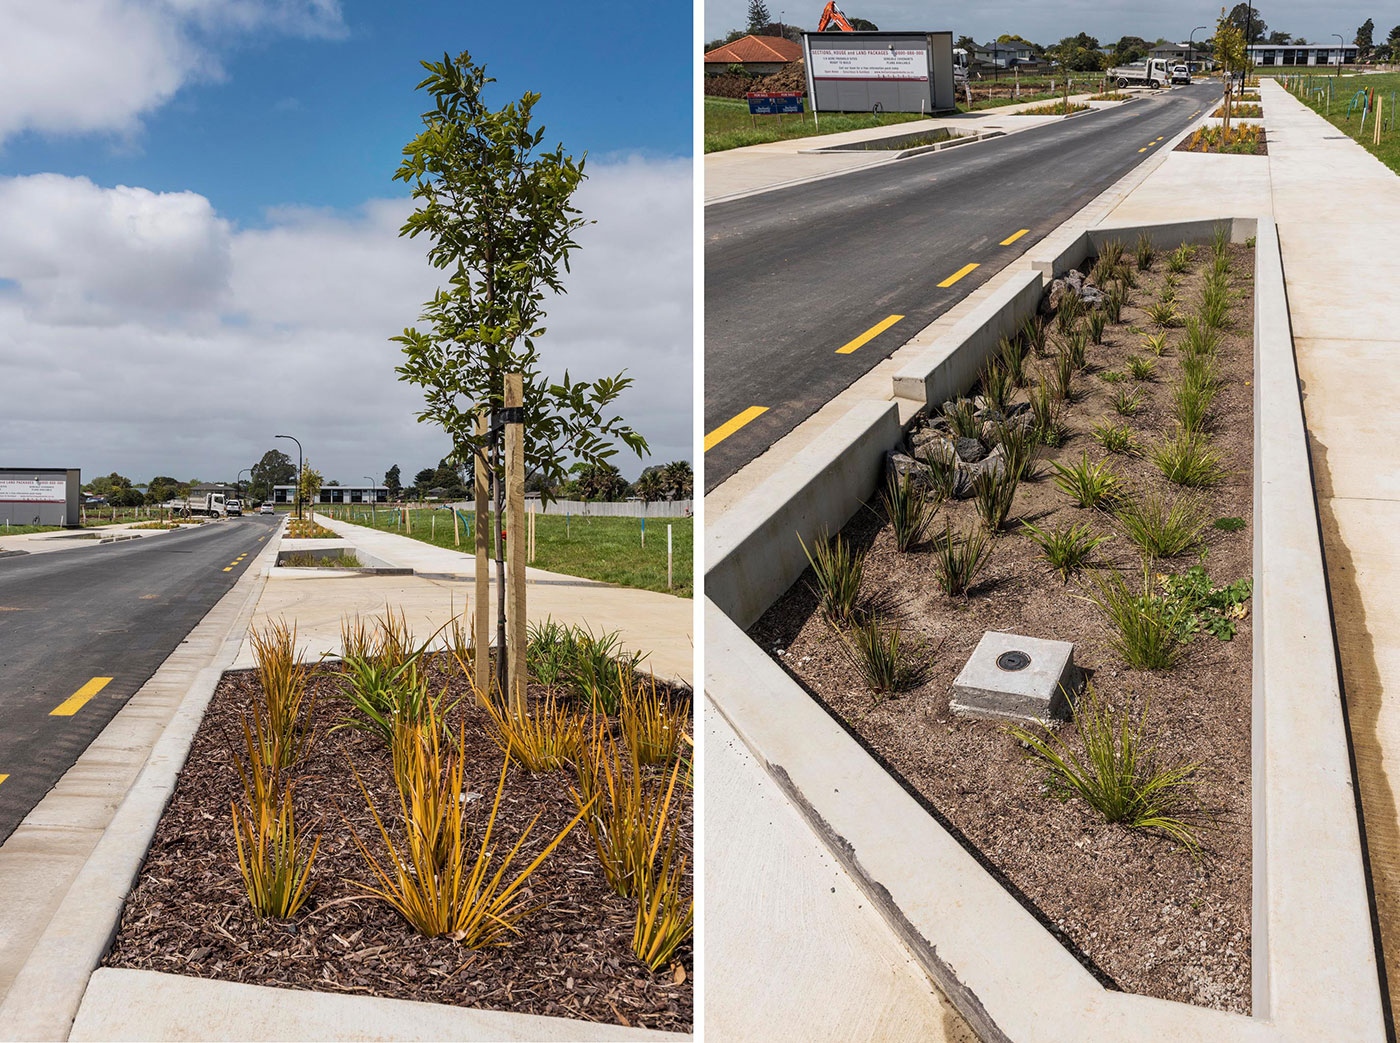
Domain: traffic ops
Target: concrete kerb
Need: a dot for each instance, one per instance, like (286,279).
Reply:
(1314,962)
(44,996)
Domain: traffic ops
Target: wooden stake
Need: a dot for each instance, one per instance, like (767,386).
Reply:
(481,640)
(456,527)
(516,545)
(668,557)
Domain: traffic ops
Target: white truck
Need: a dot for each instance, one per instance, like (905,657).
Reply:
(210,504)
(1154,72)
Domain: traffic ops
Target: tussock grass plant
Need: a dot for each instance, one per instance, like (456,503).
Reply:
(996,385)
(1191,406)
(1186,458)
(1162,526)
(665,916)
(943,475)
(1215,307)
(283,710)
(1112,253)
(275,856)
(962,418)
(381,690)
(1088,485)
(544,737)
(1220,242)
(1066,548)
(1200,338)
(1116,438)
(838,568)
(626,808)
(958,559)
(1141,369)
(875,648)
(1033,332)
(993,491)
(1126,402)
(1156,343)
(443,887)
(653,724)
(1145,628)
(1112,376)
(1200,371)
(1120,771)
(601,670)
(1180,259)
(1018,443)
(1116,299)
(1163,314)
(1063,374)
(1144,252)
(1103,271)
(908,510)
(1127,275)
(1046,424)
(1012,355)
(1094,325)
(1073,344)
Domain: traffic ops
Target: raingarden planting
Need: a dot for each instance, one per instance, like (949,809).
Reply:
(1097,489)
(379,825)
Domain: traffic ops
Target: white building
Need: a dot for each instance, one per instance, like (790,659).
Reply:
(287,494)
(1266,54)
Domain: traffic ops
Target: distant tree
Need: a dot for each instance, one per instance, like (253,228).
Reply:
(650,486)
(1130,49)
(599,481)
(967,43)
(1278,36)
(392,482)
(163,487)
(1036,49)
(863,25)
(448,476)
(108,485)
(275,468)
(1245,18)
(678,479)
(1079,53)
(333,482)
(758,16)
(1364,43)
(126,497)
(424,479)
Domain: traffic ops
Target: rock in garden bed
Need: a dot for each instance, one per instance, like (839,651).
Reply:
(188,913)
(1137,908)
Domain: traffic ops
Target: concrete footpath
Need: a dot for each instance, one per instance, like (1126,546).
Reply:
(758,168)
(442,586)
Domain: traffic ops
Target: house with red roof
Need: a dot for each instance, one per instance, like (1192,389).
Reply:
(759,55)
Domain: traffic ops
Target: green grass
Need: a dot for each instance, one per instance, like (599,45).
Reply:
(606,549)
(25,530)
(728,124)
(1388,151)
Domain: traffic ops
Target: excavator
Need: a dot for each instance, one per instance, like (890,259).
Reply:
(831,15)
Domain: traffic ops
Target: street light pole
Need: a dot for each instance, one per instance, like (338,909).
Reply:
(300,457)
(1191,47)
(238,485)
(1341,52)
(373,495)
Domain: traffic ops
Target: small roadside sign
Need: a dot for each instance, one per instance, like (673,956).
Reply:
(770,103)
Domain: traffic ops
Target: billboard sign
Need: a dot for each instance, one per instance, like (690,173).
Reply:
(33,490)
(870,63)
(770,103)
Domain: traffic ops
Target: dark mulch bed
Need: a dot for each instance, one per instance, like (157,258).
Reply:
(1138,911)
(188,913)
(1261,148)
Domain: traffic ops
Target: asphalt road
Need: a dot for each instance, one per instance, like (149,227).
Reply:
(69,618)
(794,275)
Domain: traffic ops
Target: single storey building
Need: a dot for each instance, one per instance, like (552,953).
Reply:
(40,496)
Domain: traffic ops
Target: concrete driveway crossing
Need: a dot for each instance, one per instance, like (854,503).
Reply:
(81,630)
(807,288)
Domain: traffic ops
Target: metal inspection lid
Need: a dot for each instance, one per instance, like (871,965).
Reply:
(1013,660)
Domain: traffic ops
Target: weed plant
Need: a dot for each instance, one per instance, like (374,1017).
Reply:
(1112,376)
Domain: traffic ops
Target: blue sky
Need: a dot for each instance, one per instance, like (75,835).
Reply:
(198,222)
(320,120)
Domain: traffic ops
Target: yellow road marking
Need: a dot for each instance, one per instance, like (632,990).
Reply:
(229,569)
(1142,150)
(957,275)
(727,428)
(1012,239)
(3,778)
(869,334)
(1159,139)
(78,699)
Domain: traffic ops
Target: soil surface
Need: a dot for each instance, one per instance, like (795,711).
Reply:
(188,913)
(1135,908)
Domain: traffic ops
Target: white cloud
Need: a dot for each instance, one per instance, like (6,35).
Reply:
(140,332)
(85,66)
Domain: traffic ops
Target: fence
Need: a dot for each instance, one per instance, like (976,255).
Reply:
(610,509)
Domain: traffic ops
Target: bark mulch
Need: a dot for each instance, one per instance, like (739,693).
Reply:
(188,913)
(1261,147)
(1134,908)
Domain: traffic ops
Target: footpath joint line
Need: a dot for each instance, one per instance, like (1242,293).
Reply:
(1011,239)
(869,335)
(727,428)
(78,699)
(957,275)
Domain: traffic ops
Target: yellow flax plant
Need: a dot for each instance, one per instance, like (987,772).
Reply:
(665,916)
(446,885)
(284,708)
(544,737)
(653,727)
(629,807)
(274,855)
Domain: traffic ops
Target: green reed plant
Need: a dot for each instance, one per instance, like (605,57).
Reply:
(1088,485)
(996,385)
(1162,526)
(1094,325)
(1033,332)
(908,510)
(1191,406)
(838,568)
(993,491)
(875,648)
(1116,438)
(1144,252)
(942,475)
(957,560)
(1186,458)
(1116,299)
(1046,425)
(1012,355)
(962,418)
(1145,628)
(1200,338)
(1065,548)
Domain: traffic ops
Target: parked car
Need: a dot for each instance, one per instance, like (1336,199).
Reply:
(1180,74)
(267,508)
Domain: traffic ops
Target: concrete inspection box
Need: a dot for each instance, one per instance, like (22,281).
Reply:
(1011,677)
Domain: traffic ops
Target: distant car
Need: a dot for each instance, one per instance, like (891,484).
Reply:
(267,508)
(1180,74)
(233,508)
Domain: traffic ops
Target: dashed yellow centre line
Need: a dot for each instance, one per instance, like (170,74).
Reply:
(1142,150)
(1011,239)
(957,275)
(3,778)
(727,428)
(78,699)
(869,334)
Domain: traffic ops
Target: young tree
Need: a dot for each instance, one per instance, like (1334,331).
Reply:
(967,43)
(310,485)
(498,212)
(758,16)
(1231,54)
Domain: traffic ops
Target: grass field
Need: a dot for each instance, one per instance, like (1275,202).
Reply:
(728,124)
(606,549)
(1387,86)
